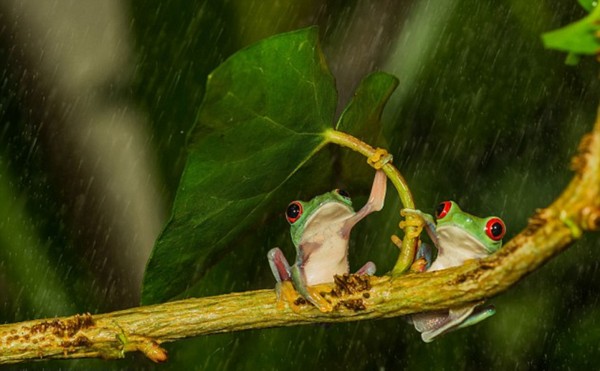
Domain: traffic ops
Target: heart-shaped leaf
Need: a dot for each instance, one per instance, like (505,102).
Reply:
(264,116)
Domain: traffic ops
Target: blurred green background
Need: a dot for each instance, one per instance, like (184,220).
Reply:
(96,98)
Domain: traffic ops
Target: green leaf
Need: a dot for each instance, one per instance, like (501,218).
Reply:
(262,118)
(588,5)
(362,116)
(361,119)
(578,37)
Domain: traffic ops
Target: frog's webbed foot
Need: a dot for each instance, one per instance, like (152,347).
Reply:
(378,159)
(287,294)
(313,294)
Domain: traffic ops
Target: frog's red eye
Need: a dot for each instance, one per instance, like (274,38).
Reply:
(495,229)
(293,212)
(442,209)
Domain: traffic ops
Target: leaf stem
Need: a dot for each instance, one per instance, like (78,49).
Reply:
(410,242)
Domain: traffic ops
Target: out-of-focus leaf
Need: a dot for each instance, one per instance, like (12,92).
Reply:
(588,5)
(572,59)
(578,37)
(262,118)
(24,256)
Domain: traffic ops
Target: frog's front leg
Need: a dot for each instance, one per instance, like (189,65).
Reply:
(282,272)
(423,219)
(375,202)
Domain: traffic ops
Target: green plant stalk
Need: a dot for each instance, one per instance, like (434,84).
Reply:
(411,237)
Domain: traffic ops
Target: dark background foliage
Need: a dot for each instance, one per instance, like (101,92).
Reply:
(483,115)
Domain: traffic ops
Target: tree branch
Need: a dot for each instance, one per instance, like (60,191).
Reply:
(110,335)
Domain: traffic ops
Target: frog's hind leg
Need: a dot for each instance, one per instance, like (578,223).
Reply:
(479,314)
(282,272)
(369,268)
(279,265)
(432,325)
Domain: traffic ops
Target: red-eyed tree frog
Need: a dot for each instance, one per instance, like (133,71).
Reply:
(458,237)
(320,230)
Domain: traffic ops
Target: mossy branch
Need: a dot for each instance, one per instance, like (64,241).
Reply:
(143,329)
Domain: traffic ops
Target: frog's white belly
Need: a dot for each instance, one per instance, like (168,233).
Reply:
(326,261)
(325,248)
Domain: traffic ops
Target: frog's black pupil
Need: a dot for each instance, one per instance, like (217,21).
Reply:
(292,211)
(343,193)
(497,229)
(439,209)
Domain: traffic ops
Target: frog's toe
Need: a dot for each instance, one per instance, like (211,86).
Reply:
(314,296)
(411,223)
(412,233)
(287,294)
(419,266)
(397,241)
(479,314)
(408,211)
(378,159)
(416,225)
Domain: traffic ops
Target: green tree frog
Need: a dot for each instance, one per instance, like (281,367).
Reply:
(458,237)
(320,229)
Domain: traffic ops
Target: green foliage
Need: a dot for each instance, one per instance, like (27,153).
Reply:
(588,5)
(362,116)
(262,119)
(486,116)
(577,38)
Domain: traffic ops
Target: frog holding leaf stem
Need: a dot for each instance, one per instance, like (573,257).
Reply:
(320,230)
(458,237)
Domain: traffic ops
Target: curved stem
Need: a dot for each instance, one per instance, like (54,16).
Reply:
(410,242)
